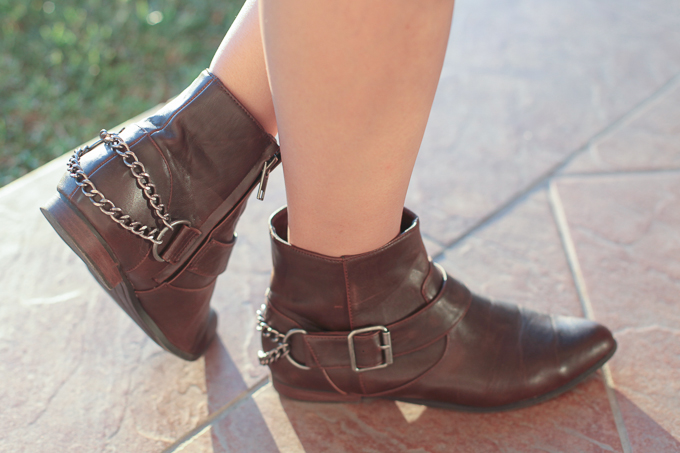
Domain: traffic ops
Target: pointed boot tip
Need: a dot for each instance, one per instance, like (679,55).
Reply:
(586,342)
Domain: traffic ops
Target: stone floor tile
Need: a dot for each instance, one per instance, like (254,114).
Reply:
(518,258)
(77,373)
(202,443)
(578,421)
(244,431)
(526,83)
(240,291)
(646,372)
(650,141)
(626,231)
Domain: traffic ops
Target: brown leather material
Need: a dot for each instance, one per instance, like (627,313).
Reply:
(450,348)
(213,258)
(180,241)
(204,153)
(432,322)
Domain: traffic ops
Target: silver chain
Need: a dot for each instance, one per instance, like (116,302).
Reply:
(143,181)
(282,349)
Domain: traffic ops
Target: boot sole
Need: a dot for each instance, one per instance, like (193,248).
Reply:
(301,394)
(85,241)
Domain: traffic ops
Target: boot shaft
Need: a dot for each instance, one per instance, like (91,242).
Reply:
(324,293)
(197,149)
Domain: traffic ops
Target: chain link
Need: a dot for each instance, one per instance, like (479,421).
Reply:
(115,142)
(282,349)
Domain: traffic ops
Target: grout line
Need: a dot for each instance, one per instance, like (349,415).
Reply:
(219,414)
(484,221)
(570,250)
(582,290)
(616,409)
(637,109)
(626,172)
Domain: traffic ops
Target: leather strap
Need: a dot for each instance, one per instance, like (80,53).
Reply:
(179,243)
(212,260)
(331,349)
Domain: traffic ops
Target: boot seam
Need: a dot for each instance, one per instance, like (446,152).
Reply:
(167,165)
(270,305)
(141,261)
(330,381)
(347,298)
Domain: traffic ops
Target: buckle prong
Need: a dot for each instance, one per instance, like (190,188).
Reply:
(385,345)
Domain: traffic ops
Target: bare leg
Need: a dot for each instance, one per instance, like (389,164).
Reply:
(353,83)
(239,64)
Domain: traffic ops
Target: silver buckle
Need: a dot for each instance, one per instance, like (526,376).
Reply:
(385,345)
(290,333)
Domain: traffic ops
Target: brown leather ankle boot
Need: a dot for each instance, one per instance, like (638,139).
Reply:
(152,210)
(391,324)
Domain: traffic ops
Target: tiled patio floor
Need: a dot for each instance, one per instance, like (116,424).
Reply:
(549,176)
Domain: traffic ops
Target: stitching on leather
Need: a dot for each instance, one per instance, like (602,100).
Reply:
(146,255)
(178,288)
(349,302)
(303,252)
(330,381)
(420,348)
(311,349)
(206,248)
(271,306)
(436,299)
(197,271)
(181,248)
(361,384)
(202,288)
(167,165)
(96,169)
(416,379)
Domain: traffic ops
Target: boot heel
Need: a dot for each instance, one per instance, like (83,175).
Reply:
(84,240)
(312,395)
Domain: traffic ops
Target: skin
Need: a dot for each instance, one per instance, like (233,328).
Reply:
(239,64)
(351,85)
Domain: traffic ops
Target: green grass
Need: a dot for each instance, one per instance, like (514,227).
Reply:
(69,68)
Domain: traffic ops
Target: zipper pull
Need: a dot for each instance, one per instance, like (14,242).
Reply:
(268,167)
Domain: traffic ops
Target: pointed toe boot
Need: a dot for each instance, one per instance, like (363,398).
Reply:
(152,209)
(392,324)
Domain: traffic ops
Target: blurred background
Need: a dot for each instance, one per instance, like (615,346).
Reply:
(72,67)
